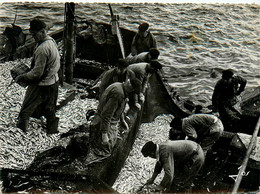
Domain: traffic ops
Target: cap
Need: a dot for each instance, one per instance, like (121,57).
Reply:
(143,27)
(155,64)
(154,53)
(121,63)
(227,73)
(148,148)
(176,123)
(36,25)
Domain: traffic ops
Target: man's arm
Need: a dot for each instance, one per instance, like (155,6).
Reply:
(37,71)
(157,170)
(133,46)
(154,41)
(168,166)
(105,82)
(242,83)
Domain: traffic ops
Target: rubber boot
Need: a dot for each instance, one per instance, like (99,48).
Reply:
(23,125)
(52,126)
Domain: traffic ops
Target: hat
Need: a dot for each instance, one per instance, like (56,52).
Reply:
(36,25)
(226,74)
(176,123)
(121,63)
(154,53)
(148,148)
(136,84)
(143,27)
(155,64)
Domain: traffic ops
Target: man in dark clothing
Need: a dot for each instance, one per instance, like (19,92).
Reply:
(225,97)
(143,40)
(117,74)
(42,92)
(181,161)
(110,108)
(204,129)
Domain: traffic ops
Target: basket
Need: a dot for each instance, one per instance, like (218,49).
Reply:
(19,70)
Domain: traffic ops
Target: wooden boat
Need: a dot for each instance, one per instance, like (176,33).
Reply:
(61,168)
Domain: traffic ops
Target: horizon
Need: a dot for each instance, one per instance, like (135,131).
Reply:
(145,1)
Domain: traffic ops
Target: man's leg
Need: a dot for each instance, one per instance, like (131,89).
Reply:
(31,101)
(51,96)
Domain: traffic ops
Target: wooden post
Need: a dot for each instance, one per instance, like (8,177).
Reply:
(244,164)
(69,37)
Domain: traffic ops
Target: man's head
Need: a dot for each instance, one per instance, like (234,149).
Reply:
(154,53)
(176,123)
(149,149)
(227,74)
(37,29)
(153,66)
(143,29)
(121,66)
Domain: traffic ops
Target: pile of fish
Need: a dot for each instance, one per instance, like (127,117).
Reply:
(18,149)
(138,169)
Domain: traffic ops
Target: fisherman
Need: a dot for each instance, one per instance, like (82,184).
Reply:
(143,40)
(117,74)
(204,129)
(153,54)
(181,161)
(142,72)
(104,128)
(225,98)
(41,95)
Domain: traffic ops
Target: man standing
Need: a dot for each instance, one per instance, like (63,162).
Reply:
(41,95)
(204,129)
(104,129)
(181,161)
(143,40)
(225,97)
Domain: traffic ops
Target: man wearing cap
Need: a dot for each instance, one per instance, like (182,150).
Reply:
(204,129)
(104,128)
(181,161)
(41,95)
(153,54)
(117,74)
(225,99)
(143,40)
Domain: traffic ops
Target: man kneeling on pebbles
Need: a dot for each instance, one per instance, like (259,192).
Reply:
(181,161)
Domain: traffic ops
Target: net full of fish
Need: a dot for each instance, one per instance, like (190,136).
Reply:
(18,149)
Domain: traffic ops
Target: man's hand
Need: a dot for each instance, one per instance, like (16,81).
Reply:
(105,138)
(158,188)
(137,105)
(141,97)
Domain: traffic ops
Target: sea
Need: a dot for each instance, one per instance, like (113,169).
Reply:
(196,41)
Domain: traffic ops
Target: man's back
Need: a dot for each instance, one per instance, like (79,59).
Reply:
(179,150)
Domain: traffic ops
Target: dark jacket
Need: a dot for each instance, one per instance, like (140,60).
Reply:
(140,44)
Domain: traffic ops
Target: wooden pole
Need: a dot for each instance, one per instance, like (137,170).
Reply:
(69,36)
(244,164)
